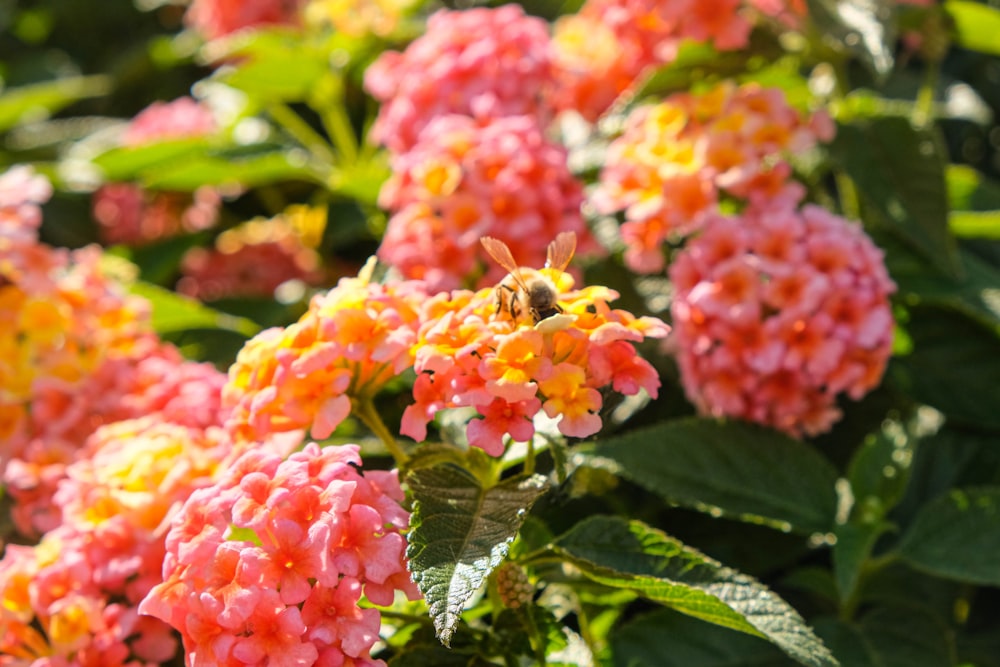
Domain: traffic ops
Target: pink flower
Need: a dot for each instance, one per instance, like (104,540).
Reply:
(217,18)
(182,118)
(485,63)
(327,534)
(465,179)
(779,311)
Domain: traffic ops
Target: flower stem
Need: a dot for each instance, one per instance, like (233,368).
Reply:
(364,410)
(312,140)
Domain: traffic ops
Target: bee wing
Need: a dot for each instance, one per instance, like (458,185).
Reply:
(499,251)
(561,251)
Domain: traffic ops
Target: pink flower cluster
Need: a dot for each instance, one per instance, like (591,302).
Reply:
(352,340)
(464,180)
(675,159)
(484,63)
(128,214)
(779,311)
(78,353)
(267,566)
(470,355)
(609,44)
(252,259)
(72,599)
(218,18)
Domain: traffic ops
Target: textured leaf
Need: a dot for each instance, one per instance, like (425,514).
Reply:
(632,556)
(899,171)
(907,637)
(459,533)
(954,367)
(865,28)
(744,471)
(173,312)
(958,536)
(976,25)
(665,638)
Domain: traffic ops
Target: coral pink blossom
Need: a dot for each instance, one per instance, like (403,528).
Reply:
(485,63)
(610,44)
(674,160)
(465,179)
(470,355)
(779,311)
(216,18)
(285,582)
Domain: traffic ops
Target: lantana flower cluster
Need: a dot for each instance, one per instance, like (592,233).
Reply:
(129,214)
(217,18)
(677,158)
(464,180)
(72,599)
(779,311)
(482,63)
(471,355)
(351,341)
(78,353)
(267,566)
(257,257)
(609,44)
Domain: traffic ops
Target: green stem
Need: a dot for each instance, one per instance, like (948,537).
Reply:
(312,140)
(364,410)
(338,125)
(923,110)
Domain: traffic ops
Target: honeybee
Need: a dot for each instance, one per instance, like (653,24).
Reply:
(528,290)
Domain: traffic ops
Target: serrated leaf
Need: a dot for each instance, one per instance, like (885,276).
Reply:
(865,28)
(665,638)
(957,536)
(744,471)
(173,313)
(976,25)
(954,367)
(632,556)
(459,533)
(899,171)
(38,100)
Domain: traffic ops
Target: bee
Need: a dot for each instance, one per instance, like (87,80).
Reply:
(527,290)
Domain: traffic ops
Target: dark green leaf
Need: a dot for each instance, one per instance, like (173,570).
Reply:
(459,533)
(632,556)
(854,544)
(37,101)
(880,469)
(173,313)
(958,536)
(899,171)
(865,28)
(665,638)
(846,642)
(954,367)
(743,471)
(976,293)
(976,25)
(907,637)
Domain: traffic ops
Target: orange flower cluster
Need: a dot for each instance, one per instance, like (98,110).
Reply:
(469,354)
(466,353)
(350,342)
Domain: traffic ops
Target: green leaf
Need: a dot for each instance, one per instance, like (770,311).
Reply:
(975,224)
(173,313)
(38,101)
(846,642)
(232,168)
(733,468)
(855,541)
(906,636)
(632,556)
(975,294)
(899,171)
(880,468)
(957,536)
(954,367)
(976,25)
(864,28)
(459,533)
(969,190)
(289,76)
(126,163)
(665,638)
